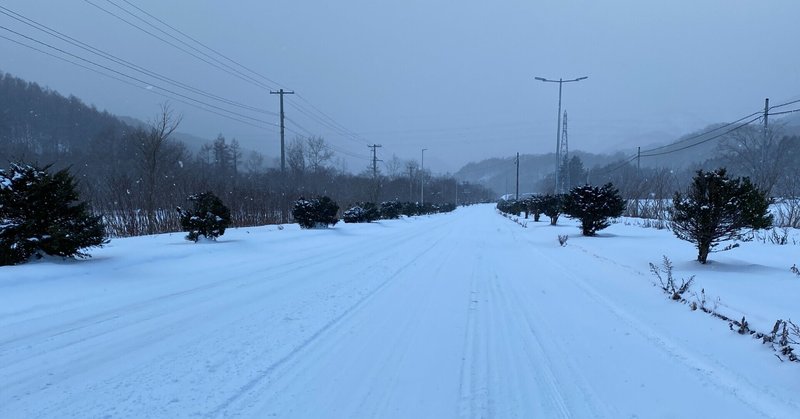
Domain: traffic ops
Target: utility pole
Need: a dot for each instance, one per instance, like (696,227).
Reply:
(558,125)
(422,179)
(638,160)
(517,163)
(375,161)
(410,182)
(282,92)
(766,117)
(563,153)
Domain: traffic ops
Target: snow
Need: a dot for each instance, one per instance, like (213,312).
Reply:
(456,315)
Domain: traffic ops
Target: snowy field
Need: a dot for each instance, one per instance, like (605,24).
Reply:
(461,315)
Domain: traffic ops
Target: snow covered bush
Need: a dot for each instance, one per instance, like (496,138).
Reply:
(315,213)
(390,210)
(411,209)
(447,207)
(209,217)
(533,205)
(355,214)
(593,206)
(717,208)
(363,212)
(551,206)
(40,215)
(510,206)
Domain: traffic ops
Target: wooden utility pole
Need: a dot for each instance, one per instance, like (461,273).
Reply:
(282,92)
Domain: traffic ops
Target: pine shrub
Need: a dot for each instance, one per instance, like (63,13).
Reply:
(390,210)
(40,214)
(315,213)
(716,208)
(551,206)
(209,217)
(593,206)
(355,214)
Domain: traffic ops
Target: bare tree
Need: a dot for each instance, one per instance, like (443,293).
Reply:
(394,167)
(755,153)
(296,156)
(318,153)
(255,162)
(155,154)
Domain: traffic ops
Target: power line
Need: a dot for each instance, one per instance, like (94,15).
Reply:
(132,66)
(704,141)
(341,131)
(334,147)
(242,116)
(784,112)
(324,119)
(785,104)
(127,82)
(234,73)
(201,43)
(702,134)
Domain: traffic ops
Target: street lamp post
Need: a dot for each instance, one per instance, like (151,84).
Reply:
(558,128)
(422,179)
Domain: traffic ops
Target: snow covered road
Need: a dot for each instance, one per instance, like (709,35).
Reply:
(462,315)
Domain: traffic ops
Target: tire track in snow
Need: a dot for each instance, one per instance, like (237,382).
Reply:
(157,317)
(265,373)
(276,274)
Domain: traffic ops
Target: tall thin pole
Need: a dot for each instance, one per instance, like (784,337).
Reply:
(560,82)
(375,160)
(558,138)
(638,159)
(766,116)
(517,163)
(282,92)
(422,179)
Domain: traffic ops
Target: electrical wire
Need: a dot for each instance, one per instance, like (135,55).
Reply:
(211,63)
(132,66)
(702,134)
(94,70)
(703,141)
(317,115)
(127,76)
(202,44)
(784,112)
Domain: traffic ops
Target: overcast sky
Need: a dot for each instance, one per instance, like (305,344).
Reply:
(455,77)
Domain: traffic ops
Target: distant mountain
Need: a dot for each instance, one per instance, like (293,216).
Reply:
(499,174)
(694,149)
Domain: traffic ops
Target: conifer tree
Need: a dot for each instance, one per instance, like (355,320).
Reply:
(40,214)
(716,208)
(593,206)
(315,213)
(551,206)
(209,217)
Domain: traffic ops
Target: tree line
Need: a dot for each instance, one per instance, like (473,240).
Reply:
(135,176)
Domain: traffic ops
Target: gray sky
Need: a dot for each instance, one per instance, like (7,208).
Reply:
(455,77)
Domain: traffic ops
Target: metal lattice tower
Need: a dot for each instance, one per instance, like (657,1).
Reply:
(563,158)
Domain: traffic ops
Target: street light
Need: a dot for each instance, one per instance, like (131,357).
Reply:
(422,179)
(558,128)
